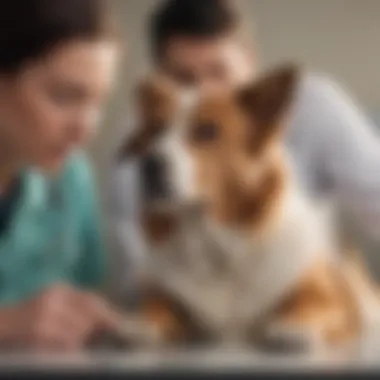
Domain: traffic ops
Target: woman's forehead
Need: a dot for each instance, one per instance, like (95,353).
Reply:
(79,61)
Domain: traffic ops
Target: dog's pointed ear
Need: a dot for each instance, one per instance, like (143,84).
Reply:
(267,101)
(154,100)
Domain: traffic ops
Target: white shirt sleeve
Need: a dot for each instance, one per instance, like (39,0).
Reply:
(126,240)
(350,150)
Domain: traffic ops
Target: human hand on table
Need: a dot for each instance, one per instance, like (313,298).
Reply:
(61,319)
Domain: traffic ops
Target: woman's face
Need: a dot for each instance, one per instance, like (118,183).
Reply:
(53,106)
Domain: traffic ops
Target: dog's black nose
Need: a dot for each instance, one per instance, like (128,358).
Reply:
(154,179)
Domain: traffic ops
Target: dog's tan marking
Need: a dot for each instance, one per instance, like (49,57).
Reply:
(174,323)
(156,102)
(267,103)
(322,303)
(158,312)
(159,226)
(234,141)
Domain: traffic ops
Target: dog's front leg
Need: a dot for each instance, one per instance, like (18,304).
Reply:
(162,320)
(318,315)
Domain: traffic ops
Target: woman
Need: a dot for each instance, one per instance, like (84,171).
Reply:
(56,65)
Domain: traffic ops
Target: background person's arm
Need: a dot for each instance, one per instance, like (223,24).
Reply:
(124,229)
(349,148)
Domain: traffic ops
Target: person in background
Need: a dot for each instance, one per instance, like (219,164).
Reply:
(57,64)
(335,149)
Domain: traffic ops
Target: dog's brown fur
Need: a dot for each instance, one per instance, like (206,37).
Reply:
(322,300)
(249,127)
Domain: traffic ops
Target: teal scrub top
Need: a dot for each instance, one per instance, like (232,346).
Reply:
(53,235)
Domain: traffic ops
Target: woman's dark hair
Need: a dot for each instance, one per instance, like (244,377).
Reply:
(29,29)
(201,19)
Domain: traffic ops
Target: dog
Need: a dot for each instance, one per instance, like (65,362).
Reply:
(238,254)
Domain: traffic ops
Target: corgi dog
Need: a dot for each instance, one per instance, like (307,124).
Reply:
(237,253)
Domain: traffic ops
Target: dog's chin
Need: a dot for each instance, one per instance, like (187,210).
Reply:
(161,219)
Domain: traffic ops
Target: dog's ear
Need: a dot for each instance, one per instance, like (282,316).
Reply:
(155,98)
(155,101)
(266,102)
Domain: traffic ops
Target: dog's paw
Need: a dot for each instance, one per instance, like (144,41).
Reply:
(132,334)
(140,332)
(286,339)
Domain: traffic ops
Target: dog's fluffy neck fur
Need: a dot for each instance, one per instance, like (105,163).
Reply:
(229,277)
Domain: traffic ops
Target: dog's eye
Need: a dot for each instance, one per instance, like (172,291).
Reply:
(205,132)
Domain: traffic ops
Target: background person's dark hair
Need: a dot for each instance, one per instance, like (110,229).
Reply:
(190,18)
(29,29)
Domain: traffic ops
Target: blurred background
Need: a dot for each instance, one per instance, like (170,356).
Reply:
(338,37)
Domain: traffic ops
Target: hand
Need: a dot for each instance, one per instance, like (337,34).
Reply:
(60,319)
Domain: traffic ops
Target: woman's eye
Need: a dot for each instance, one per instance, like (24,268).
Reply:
(205,132)
(64,97)
(67,94)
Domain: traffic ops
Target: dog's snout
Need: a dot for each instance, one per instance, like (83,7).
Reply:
(154,179)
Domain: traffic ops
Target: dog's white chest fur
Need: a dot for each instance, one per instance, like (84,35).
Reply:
(230,279)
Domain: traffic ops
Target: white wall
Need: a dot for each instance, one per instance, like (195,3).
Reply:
(339,36)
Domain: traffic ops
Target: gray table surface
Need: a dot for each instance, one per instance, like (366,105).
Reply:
(208,360)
